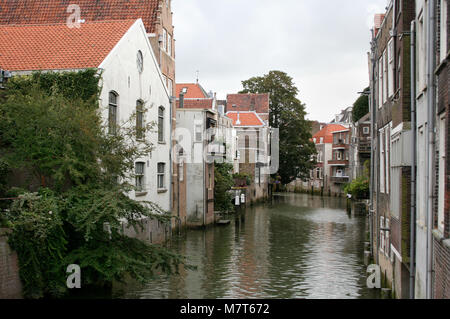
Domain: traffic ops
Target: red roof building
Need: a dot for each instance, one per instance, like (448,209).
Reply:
(249,102)
(193,91)
(57,47)
(325,136)
(245,119)
(55,11)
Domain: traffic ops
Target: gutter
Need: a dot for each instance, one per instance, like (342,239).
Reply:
(431,143)
(412,254)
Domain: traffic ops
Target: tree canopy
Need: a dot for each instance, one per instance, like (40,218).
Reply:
(71,208)
(361,106)
(287,114)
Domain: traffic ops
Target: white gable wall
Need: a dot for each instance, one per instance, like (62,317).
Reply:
(121,75)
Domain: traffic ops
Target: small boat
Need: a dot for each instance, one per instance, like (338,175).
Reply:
(224,222)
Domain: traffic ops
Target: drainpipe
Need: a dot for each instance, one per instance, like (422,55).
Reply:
(373,118)
(372,152)
(412,262)
(205,193)
(431,142)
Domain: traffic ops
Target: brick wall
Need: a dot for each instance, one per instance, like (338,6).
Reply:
(10,285)
(441,269)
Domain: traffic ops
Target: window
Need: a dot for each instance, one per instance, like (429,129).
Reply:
(387,144)
(140,174)
(391,70)
(385,77)
(443,28)
(165,40)
(161,175)
(112,118)
(442,148)
(169,45)
(140,61)
(170,86)
(382,239)
(387,248)
(161,124)
(198,133)
(382,161)
(321,140)
(366,130)
(380,82)
(139,120)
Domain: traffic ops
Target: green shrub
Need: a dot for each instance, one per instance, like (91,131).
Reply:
(359,188)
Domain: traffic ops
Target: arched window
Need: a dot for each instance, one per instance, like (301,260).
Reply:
(112,118)
(161,124)
(139,120)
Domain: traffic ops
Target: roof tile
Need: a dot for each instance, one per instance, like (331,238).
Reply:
(55,11)
(57,47)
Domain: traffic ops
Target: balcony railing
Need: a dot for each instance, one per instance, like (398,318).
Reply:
(340,180)
(338,162)
(217,149)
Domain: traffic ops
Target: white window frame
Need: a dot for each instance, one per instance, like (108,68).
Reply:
(444,35)
(382,239)
(161,180)
(382,161)
(385,77)
(161,124)
(169,44)
(380,82)
(140,177)
(387,152)
(366,130)
(391,71)
(164,44)
(387,238)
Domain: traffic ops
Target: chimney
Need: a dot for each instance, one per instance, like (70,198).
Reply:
(238,122)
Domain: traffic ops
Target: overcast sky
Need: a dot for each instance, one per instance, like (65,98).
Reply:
(321,44)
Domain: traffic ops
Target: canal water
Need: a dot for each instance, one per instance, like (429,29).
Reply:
(299,246)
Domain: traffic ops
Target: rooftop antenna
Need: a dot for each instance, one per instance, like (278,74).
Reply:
(197,75)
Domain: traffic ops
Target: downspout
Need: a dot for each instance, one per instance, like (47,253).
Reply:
(205,193)
(431,143)
(412,254)
(171,152)
(372,153)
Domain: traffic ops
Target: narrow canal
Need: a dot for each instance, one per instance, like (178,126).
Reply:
(297,247)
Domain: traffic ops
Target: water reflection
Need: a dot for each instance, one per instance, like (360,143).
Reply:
(297,247)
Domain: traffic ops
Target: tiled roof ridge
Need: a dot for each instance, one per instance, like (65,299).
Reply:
(62,24)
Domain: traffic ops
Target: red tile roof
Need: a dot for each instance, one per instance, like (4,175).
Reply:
(245,118)
(194,91)
(196,103)
(379,18)
(55,11)
(327,133)
(57,47)
(249,102)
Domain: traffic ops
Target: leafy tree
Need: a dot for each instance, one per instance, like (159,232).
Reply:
(223,182)
(287,114)
(57,134)
(361,106)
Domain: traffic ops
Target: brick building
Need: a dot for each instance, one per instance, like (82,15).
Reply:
(441,233)
(391,115)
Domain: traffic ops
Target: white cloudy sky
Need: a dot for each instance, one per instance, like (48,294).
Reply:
(322,44)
